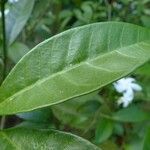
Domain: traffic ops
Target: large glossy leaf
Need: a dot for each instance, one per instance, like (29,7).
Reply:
(73,63)
(17,17)
(25,139)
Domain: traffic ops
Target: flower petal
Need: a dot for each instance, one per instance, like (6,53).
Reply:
(128,95)
(136,87)
(119,88)
(130,80)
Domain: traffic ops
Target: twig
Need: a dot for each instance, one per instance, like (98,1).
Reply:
(3,119)
(92,122)
(109,10)
(4,37)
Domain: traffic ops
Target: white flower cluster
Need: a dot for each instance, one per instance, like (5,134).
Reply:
(13,1)
(126,86)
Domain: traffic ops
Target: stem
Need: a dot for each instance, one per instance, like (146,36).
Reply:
(4,37)
(109,9)
(92,122)
(3,118)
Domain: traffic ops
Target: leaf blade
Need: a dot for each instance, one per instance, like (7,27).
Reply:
(55,70)
(17,17)
(21,138)
(132,113)
(104,130)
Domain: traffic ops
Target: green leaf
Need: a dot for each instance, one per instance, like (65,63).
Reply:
(73,63)
(78,112)
(104,130)
(35,125)
(17,17)
(132,113)
(40,115)
(145,20)
(29,139)
(109,145)
(17,51)
(146,144)
(118,129)
(135,143)
(144,70)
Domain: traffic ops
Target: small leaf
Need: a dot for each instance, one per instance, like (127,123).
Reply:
(17,17)
(132,113)
(146,145)
(29,139)
(118,129)
(135,143)
(77,112)
(146,21)
(104,130)
(109,145)
(40,115)
(74,63)
(35,125)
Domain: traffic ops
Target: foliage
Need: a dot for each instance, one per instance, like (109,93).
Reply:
(64,83)
(42,139)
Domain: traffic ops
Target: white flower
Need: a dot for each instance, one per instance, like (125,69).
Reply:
(127,87)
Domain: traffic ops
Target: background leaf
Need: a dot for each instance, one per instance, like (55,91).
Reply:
(104,130)
(144,70)
(135,144)
(132,113)
(38,116)
(17,17)
(77,112)
(146,145)
(23,139)
(73,63)
(17,51)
